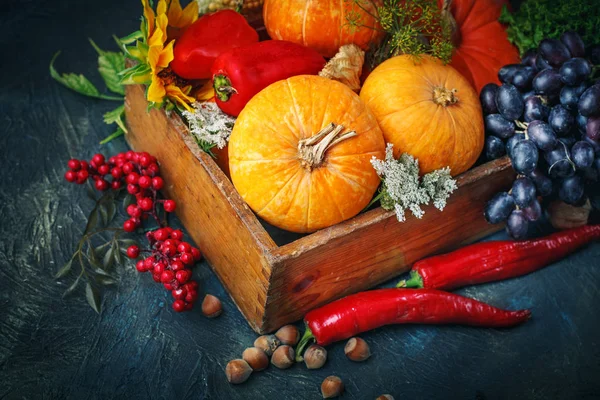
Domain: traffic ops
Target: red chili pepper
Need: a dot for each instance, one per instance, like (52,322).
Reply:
(212,34)
(368,310)
(494,261)
(241,73)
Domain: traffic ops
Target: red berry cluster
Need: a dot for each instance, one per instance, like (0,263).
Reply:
(139,171)
(170,263)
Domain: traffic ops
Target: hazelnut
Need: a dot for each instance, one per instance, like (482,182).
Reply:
(267,343)
(256,358)
(357,349)
(211,306)
(332,386)
(385,397)
(283,357)
(315,356)
(237,371)
(288,335)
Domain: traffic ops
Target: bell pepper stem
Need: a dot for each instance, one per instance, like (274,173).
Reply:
(414,282)
(306,338)
(223,88)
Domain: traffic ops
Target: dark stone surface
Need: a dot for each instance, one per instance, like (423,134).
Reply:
(55,348)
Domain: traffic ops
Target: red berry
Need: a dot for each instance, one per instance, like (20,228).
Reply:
(179,293)
(184,247)
(187,258)
(192,285)
(156,277)
(128,168)
(116,172)
(146,204)
(177,234)
(132,189)
(115,185)
(133,251)
(157,183)
(129,226)
(70,176)
(98,159)
(132,178)
(160,235)
(169,205)
(102,185)
(183,276)
(145,159)
(170,242)
(167,276)
(196,253)
(168,286)
(149,262)
(159,268)
(104,169)
(84,165)
(191,296)
(153,169)
(112,160)
(134,211)
(168,250)
(82,176)
(136,157)
(129,155)
(177,266)
(145,182)
(179,305)
(74,164)
(140,266)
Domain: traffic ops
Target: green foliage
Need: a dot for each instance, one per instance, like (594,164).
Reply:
(539,19)
(110,64)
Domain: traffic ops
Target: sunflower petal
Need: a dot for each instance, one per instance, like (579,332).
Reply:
(165,56)
(206,92)
(174,12)
(176,94)
(153,57)
(149,16)
(156,91)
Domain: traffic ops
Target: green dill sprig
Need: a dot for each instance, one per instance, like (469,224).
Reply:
(412,27)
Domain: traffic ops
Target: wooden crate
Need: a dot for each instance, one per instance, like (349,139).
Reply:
(273,285)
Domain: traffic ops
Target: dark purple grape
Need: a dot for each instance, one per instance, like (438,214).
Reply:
(529,58)
(595,144)
(524,157)
(571,190)
(568,141)
(554,51)
(542,182)
(517,224)
(574,43)
(523,191)
(497,125)
(511,142)
(494,147)
(569,96)
(523,78)
(499,208)
(589,102)
(507,72)
(559,162)
(594,54)
(561,120)
(541,64)
(592,128)
(488,99)
(547,82)
(582,154)
(542,135)
(533,212)
(575,71)
(581,123)
(509,102)
(526,95)
(535,109)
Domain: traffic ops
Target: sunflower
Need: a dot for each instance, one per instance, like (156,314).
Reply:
(153,50)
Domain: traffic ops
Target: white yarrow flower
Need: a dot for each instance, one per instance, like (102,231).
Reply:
(209,124)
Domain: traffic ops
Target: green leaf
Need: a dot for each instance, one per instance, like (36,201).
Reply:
(132,37)
(119,132)
(106,280)
(138,74)
(103,214)
(65,269)
(93,297)
(128,200)
(71,288)
(117,252)
(109,258)
(111,210)
(92,221)
(78,83)
(93,257)
(116,117)
(129,242)
(109,65)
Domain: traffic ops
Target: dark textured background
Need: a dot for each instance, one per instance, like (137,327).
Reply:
(54,348)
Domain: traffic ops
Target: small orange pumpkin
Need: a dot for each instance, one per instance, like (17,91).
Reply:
(428,110)
(320,24)
(300,153)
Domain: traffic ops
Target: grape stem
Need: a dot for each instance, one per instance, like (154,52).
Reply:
(522,125)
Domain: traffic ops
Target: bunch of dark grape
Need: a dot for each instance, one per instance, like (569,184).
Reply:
(546,117)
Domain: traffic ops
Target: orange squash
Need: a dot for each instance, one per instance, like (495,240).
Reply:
(300,152)
(320,24)
(428,110)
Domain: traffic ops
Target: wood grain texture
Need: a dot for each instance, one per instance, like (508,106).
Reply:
(274,285)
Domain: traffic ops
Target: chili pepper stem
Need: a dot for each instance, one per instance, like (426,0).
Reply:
(414,282)
(306,338)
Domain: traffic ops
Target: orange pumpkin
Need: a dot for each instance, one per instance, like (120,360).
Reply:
(300,153)
(320,24)
(428,110)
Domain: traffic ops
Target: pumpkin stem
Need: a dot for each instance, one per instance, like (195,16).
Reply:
(311,151)
(448,18)
(444,97)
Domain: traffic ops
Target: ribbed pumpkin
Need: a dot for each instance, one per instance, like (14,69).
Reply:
(319,24)
(482,46)
(428,110)
(300,153)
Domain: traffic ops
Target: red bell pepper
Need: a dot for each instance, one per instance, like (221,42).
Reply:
(241,73)
(212,34)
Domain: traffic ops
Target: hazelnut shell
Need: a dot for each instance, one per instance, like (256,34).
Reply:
(288,334)
(267,343)
(357,349)
(331,387)
(256,358)
(237,371)
(283,357)
(315,356)
(211,306)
